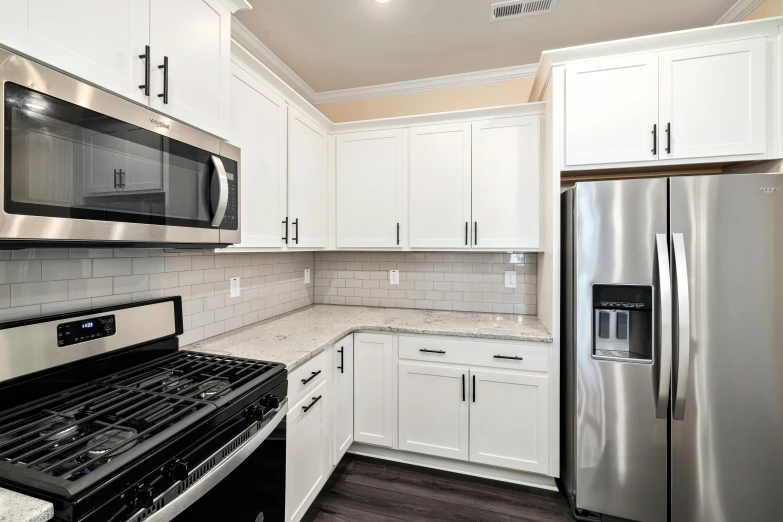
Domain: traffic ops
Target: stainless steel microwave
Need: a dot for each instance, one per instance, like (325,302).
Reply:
(84,167)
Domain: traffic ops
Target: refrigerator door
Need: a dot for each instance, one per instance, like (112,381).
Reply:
(620,409)
(727,389)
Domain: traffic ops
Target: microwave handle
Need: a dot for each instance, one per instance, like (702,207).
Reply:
(218,193)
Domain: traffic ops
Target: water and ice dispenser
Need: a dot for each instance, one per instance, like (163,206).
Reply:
(623,322)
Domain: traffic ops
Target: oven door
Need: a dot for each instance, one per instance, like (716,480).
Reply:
(82,165)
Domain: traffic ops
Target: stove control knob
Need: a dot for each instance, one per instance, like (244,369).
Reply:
(256,413)
(144,497)
(179,470)
(270,401)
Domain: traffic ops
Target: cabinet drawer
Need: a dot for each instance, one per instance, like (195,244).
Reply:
(528,356)
(308,372)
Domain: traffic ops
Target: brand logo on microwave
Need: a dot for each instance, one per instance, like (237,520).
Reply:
(159,124)
(769,190)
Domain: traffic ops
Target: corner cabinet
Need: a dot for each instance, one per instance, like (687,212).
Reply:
(368,172)
(307,182)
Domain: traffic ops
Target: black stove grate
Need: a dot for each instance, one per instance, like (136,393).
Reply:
(72,433)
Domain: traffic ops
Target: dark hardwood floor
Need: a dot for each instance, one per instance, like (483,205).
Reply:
(362,489)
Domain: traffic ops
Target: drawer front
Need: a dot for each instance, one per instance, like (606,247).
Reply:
(308,372)
(528,356)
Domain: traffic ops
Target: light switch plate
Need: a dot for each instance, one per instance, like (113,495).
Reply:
(307,275)
(394,277)
(510,279)
(235,289)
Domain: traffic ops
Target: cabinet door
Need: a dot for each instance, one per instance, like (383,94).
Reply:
(509,420)
(714,100)
(96,40)
(195,35)
(440,186)
(506,178)
(373,414)
(433,411)
(611,110)
(369,189)
(258,128)
(307,181)
(343,396)
(308,452)
(118,161)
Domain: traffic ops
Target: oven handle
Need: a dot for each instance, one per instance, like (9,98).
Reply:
(219,472)
(219,191)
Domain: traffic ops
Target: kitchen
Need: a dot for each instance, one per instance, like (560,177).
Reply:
(226,290)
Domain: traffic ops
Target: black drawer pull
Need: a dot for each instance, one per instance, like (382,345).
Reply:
(463,387)
(285,237)
(315,399)
(342,361)
(146,57)
(313,376)
(295,223)
(513,358)
(165,68)
(655,139)
(431,351)
(474,388)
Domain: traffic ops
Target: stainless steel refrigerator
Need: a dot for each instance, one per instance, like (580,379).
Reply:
(673,348)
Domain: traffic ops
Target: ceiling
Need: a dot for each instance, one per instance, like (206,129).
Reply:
(341,44)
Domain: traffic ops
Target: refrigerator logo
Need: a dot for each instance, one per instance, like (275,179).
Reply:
(769,190)
(159,124)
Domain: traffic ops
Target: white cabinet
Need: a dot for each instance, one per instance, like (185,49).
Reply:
(308,451)
(116,162)
(95,40)
(258,128)
(369,189)
(506,178)
(307,182)
(611,110)
(342,359)
(440,186)
(195,37)
(509,420)
(713,100)
(433,410)
(373,376)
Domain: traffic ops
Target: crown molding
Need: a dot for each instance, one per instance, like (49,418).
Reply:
(263,54)
(236,5)
(738,11)
(428,84)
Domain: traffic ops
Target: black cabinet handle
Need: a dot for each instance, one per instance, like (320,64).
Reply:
(474,388)
(315,399)
(463,387)
(655,139)
(668,138)
(295,223)
(466,233)
(342,360)
(285,237)
(117,179)
(398,233)
(146,58)
(514,358)
(122,178)
(475,232)
(313,376)
(431,351)
(165,68)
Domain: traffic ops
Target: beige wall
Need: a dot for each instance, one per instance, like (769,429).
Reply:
(470,97)
(767,9)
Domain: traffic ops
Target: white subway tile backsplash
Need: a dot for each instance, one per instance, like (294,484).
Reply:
(5,296)
(24,271)
(148,265)
(86,288)
(61,269)
(111,267)
(24,294)
(129,284)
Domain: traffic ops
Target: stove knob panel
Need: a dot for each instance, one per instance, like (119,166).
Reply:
(179,470)
(270,401)
(256,413)
(144,497)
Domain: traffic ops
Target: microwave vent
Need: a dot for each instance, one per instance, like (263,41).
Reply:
(517,9)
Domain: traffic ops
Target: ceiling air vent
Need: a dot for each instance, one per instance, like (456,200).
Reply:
(518,9)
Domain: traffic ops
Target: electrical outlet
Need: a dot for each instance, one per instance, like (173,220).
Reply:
(510,279)
(307,275)
(235,288)
(394,277)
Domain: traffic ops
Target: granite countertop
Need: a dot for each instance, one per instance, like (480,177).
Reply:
(15,507)
(298,336)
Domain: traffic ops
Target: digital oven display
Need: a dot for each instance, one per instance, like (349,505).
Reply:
(85,330)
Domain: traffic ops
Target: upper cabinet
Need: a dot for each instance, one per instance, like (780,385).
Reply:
(191,58)
(258,127)
(506,183)
(705,103)
(440,186)
(173,55)
(307,181)
(368,210)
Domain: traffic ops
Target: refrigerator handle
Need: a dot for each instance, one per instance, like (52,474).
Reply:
(682,326)
(664,333)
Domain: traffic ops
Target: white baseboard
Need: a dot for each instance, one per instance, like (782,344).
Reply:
(456,466)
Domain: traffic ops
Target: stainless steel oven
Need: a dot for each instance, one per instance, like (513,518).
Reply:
(83,166)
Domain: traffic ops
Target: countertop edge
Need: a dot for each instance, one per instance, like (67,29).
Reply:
(17,507)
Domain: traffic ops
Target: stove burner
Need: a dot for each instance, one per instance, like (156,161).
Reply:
(174,384)
(213,389)
(59,430)
(109,440)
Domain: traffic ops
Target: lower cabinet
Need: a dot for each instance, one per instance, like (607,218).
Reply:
(373,381)
(308,451)
(342,407)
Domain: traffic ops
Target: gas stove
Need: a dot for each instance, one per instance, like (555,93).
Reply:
(113,423)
